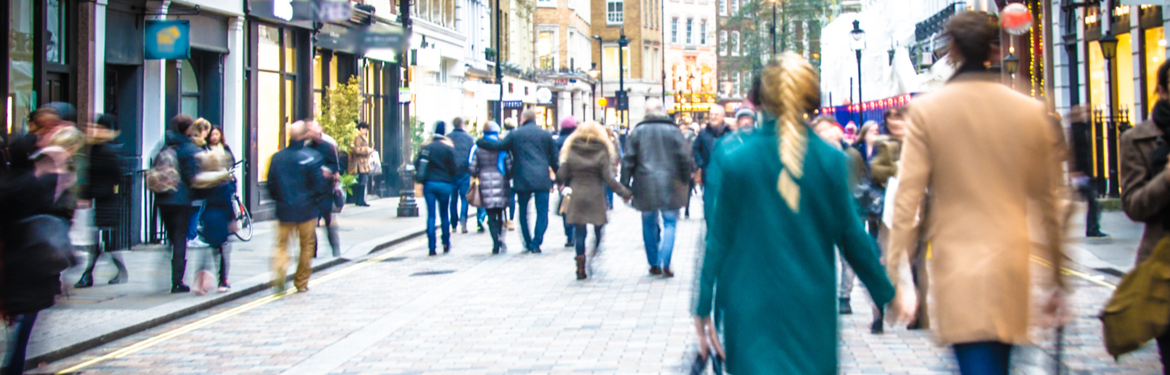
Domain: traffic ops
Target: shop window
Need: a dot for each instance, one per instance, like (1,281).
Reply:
(189,104)
(20,63)
(275,92)
(1125,89)
(56,26)
(1155,55)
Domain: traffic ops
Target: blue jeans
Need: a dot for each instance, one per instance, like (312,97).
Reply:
(193,225)
(460,185)
(480,215)
(532,241)
(659,241)
(438,196)
(983,358)
(18,345)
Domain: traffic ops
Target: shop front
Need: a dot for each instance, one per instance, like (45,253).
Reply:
(278,71)
(693,108)
(39,67)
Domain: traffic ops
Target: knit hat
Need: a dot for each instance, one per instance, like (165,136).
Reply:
(569,123)
(440,127)
(745,112)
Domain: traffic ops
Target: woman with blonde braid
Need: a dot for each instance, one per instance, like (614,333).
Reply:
(770,241)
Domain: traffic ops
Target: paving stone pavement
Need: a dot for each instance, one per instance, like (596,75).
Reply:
(468,312)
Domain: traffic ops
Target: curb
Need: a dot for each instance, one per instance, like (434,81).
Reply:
(33,362)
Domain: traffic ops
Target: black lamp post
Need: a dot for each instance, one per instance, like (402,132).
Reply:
(857,43)
(601,53)
(773,27)
(623,100)
(594,73)
(1109,51)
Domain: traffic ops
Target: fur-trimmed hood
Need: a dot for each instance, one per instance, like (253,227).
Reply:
(589,141)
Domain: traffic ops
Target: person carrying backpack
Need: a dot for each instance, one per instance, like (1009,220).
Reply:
(170,178)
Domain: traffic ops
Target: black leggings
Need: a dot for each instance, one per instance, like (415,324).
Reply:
(176,218)
(579,236)
(495,225)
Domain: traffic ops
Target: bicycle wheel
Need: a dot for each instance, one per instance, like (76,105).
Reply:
(243,222)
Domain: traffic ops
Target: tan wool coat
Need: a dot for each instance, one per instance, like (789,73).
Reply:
(988,156)
(1145,192)
(359,155)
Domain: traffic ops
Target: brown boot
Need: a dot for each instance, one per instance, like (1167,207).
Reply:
(580,267)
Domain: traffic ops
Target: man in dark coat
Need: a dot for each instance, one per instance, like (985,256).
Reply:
(462,179)
(294,182)
(175,206)
(1081,168)
(534,152)
(705,142)
(657,162)
(327,147)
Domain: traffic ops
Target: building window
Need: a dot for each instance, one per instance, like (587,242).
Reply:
(690,23)
(722,42)
(734,43)
(735,84)
(674,30)
(610,61)
(722,7)
(613,12)
(276,89)
(703,32)
(544,50)
(734,7)
(546,3)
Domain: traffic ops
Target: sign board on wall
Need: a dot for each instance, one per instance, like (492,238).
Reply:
(544,95)
(167,39)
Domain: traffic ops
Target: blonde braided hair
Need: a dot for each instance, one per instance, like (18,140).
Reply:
(789,88)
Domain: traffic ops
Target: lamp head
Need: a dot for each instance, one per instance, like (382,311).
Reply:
(1011,63)
(857,36)
(1109,46)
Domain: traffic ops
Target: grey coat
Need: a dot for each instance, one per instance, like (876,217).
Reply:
(587,167)
(494,186)
(659,163)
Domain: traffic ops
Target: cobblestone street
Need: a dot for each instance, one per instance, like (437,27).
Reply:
(399,311)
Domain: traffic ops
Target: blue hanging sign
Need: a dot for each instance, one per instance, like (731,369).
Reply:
(168,39)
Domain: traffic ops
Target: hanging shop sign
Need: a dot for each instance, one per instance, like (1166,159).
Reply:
(168,39)
(544,95)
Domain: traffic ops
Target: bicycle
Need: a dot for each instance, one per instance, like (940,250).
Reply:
(242,218)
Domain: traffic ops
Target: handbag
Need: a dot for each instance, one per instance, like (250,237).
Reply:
(566,198)
(474,196)
(1138,310)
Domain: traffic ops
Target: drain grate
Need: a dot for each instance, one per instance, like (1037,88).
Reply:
(430,273)
(393,259)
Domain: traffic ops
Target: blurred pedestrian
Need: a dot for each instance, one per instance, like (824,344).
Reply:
(36,209)
(462,175)
(216,185)
(325,145)
(1145,181)
(804,183)
(534,153)
(294,182)
(979,212)
(704,144)
(359,162)
(1081,168)
(850,134)
(175,205)
(657,166)
(868,139)
(436,162)
(493,169)
(882,168)
(568,125)
(829,131)
(509,126)
(745,119)
(106,170)
(587,161)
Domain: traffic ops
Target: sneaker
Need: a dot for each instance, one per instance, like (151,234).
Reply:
(479,230)
(196,243)
(181,288)
(224,287)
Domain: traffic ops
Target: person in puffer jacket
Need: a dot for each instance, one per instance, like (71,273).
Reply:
(493,169)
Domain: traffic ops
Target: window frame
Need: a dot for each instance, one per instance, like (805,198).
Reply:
(722,42)
(615,17)
(674,30)
(689,30)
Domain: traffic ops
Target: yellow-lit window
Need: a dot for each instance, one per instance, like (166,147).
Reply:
(1155,55)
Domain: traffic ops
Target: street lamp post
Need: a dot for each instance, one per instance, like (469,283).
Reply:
(601,53)
(1109,52)
(773,27)
(857,42)
(594,73)
(623,98)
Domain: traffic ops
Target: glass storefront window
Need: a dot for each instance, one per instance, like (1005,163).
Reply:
(190,97)
(290,52)
(1098,95)
(55,46)
(269,116)
(20,65)
(276,92)
(1125,90)
(1155,55)
(268,52)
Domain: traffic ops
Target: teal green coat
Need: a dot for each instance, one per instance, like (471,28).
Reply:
(767,272)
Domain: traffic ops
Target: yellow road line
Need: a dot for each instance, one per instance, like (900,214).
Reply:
(1067,271)
(145,344)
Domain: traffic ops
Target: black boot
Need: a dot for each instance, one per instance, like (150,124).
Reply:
(877,327)
(86,279)
(178,268)
(123,275)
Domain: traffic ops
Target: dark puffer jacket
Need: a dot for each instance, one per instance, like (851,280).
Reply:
(533,151)
(493,185)
(463,143)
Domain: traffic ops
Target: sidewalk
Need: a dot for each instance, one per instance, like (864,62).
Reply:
(86,318)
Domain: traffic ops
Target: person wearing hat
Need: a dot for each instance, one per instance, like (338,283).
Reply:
(568,125)
(745,119)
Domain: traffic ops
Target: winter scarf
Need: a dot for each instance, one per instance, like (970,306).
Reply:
(1161,155)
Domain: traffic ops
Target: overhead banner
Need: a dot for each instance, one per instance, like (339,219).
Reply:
(167,39)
